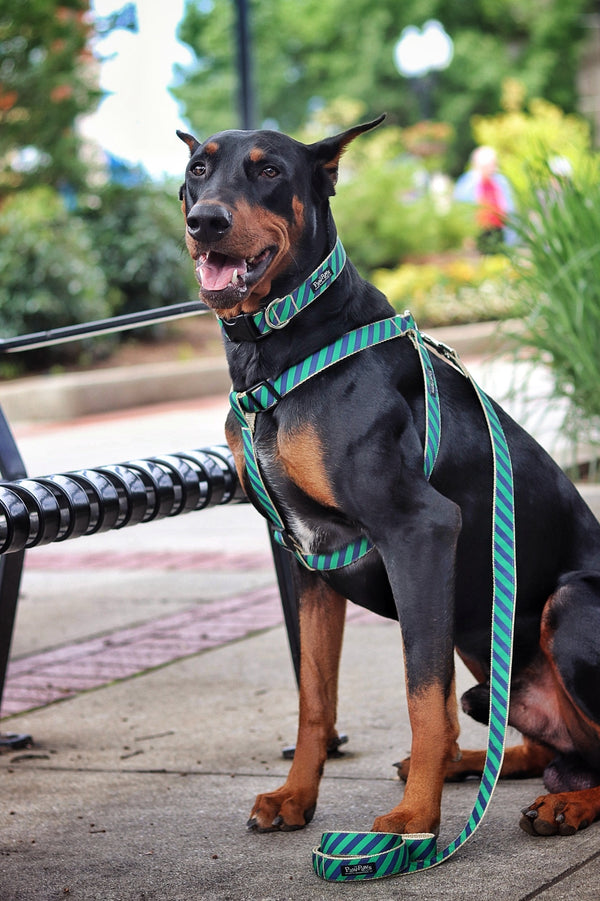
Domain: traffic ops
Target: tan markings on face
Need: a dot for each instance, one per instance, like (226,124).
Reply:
(189,242)
(211,148)
(254,230)
(298,208)
(302,456)
(256,154)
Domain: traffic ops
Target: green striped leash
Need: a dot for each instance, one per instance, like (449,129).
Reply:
(352,856)
(267,394)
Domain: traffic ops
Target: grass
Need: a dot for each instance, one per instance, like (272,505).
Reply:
(558,280)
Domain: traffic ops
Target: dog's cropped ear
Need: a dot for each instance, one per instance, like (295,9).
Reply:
(190,140)
(327,153)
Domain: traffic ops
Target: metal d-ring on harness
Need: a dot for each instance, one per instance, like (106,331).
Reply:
(351,856)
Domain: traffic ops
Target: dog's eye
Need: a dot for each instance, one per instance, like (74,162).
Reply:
(199,169)
(270,172)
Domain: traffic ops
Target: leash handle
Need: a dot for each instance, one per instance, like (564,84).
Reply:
(356,856)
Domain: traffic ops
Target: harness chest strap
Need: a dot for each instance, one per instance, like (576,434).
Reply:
(267,394)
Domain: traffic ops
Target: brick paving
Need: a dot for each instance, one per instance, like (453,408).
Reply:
(163,560)
(48,676)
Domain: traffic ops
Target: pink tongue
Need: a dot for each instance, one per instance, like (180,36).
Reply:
(217,272)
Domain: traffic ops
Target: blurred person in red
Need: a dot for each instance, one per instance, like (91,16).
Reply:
(483,185)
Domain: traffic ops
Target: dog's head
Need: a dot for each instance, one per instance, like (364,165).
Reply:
(253,202)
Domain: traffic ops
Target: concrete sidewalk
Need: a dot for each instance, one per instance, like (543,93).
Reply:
(140,787)
(141,790)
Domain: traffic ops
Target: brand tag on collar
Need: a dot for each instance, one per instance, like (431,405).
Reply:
(322,279)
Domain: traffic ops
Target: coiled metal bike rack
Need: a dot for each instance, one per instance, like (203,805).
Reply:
(42,510)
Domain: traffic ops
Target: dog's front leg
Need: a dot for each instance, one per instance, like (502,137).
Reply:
(322,615)
(421,571)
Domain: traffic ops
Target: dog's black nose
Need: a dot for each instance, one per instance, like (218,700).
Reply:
(208,222)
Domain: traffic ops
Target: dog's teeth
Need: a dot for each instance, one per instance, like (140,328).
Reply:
(234,277)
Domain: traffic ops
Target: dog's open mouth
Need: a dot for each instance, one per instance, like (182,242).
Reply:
(225,278)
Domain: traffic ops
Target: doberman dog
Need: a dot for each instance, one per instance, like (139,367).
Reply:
(342,458)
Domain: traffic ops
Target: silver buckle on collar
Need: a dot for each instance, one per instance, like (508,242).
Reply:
(281,323)
(268,310)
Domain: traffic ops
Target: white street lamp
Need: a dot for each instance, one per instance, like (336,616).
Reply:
(419,52)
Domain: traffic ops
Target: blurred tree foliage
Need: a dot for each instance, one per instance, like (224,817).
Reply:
(308,52)
(138,233)
(387,207)
(47,79)
(50,274)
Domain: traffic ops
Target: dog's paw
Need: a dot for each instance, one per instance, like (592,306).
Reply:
(280,811)
(403,767)
(560,814)
(465,765)
(405,821)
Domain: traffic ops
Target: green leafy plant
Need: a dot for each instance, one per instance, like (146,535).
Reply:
(530,140)
(452,291)
(558,268)
(49,78)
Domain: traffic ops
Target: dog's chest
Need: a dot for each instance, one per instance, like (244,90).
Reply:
(292,469)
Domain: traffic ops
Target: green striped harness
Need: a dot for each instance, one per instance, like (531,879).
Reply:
(358,856)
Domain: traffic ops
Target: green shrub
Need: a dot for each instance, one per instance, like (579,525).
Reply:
(384,217)
(49,272)
(558,268)
(139,235)
(457,290)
